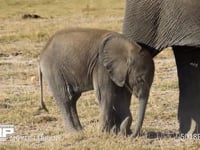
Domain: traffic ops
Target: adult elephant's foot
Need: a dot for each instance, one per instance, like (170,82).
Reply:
(189,120)
(188,67)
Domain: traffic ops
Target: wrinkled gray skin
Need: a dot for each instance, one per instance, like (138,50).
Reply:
(78,60)
(176,23)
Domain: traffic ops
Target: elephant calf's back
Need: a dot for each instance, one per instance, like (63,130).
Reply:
(72,53)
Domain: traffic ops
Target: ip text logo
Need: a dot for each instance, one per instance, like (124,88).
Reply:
(5,130)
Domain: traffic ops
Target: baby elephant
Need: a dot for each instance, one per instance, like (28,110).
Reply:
(78,60)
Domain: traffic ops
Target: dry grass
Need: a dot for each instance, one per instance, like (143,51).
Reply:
(21,41)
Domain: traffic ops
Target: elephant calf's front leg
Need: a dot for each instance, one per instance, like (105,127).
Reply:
(107,119)
(107,114)
(122,111)
(104,89)
(115,112)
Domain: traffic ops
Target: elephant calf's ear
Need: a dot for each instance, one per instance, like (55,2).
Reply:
(114,58)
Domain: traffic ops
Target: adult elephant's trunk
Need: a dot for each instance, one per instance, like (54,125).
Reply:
(142,108)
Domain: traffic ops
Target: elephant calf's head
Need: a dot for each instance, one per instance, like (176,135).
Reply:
(130,66)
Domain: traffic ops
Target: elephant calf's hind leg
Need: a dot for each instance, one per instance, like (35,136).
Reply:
(66,100)
(69,112)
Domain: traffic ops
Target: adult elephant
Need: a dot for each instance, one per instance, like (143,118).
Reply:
(163,23)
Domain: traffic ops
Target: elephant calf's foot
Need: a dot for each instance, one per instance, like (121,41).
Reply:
(71,130)
(107,127)
(107,123)
(72,127)
(125,127)
(113,124)
(122,128)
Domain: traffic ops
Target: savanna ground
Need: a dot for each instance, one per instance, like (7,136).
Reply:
(21,41)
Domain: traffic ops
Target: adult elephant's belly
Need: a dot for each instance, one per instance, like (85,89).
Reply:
(163,23)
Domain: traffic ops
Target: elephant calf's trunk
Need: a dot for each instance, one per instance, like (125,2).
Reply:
(142,108)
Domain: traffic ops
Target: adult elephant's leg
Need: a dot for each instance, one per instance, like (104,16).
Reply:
(188,67)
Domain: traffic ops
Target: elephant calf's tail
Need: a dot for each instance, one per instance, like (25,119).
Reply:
(42,104)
